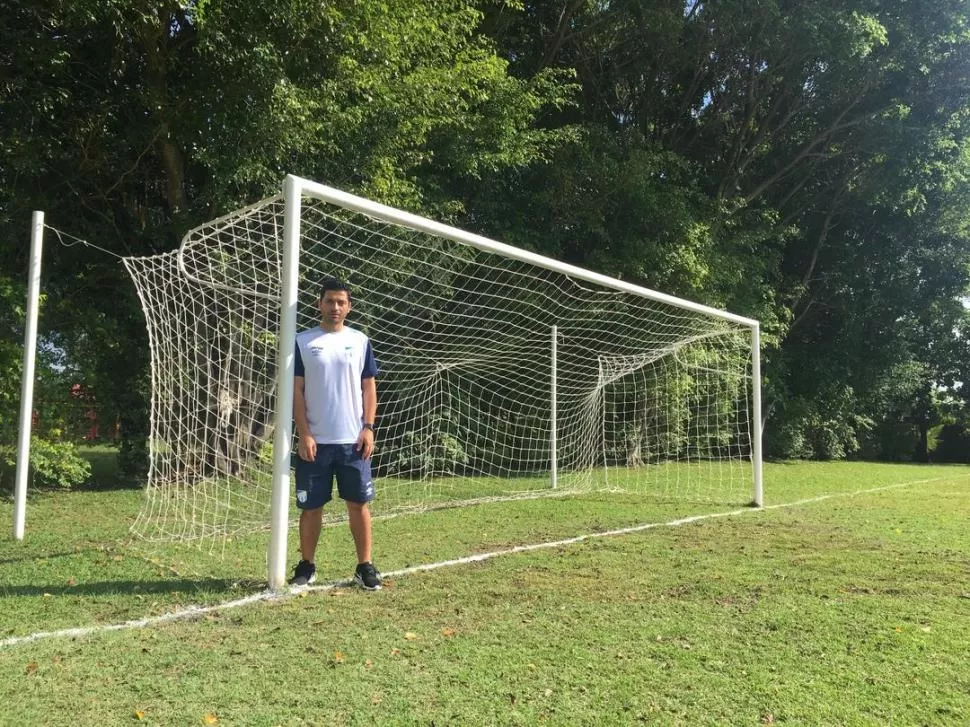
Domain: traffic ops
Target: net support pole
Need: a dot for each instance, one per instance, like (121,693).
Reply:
(283,431)
(601,395)
(553,463)
(756,426)
(27,382)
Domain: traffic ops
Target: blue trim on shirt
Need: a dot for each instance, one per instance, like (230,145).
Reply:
(370,364)
(298,369)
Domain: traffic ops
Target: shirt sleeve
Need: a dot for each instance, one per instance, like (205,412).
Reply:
(298,369)
(370,364)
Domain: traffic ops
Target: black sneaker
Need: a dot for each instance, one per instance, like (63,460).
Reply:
(304,573)
(367,577)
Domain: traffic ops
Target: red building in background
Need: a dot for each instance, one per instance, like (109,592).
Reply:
(88,413)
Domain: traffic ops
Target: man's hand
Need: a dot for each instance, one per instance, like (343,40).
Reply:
(307,448)
(365,443)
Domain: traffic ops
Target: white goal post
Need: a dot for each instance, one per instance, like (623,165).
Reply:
(27,376)
(294,190)
(504,374)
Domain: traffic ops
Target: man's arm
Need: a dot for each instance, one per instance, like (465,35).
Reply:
(307,447)
(365,442)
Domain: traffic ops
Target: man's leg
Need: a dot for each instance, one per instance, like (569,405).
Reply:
(359,516)
(357,489)
(311,521)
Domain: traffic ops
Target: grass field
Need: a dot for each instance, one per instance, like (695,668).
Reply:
(845,602)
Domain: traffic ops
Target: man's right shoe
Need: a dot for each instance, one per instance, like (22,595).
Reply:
(304,573)
(367,577)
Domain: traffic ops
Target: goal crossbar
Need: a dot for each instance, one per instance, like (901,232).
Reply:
(421,224)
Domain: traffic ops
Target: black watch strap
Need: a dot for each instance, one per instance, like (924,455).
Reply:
(367,425)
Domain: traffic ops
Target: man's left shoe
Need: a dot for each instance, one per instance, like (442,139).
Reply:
(367,577)
(304,573)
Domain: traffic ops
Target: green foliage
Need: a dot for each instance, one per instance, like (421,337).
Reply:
(809,169)
(952,444)
(52,464)
(825,427)
(893,441)
(133,459)
(265,455)
(12,297)
(145,121)
(807,164)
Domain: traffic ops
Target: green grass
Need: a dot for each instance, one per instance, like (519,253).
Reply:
(852,610)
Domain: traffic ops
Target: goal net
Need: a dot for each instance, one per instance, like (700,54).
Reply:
(503,374)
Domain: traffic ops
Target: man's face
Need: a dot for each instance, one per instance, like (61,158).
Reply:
(334,307)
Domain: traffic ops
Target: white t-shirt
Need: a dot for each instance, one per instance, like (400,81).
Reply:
(332,366)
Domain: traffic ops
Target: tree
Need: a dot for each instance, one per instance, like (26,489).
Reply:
(132,122)
(808,167)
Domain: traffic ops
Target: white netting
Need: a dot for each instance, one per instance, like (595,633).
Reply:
(649,396)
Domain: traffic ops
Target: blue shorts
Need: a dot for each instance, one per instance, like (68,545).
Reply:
(314,480)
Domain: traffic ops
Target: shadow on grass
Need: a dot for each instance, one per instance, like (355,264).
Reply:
(148,586)
(109,487)
(45,556)
(133,588)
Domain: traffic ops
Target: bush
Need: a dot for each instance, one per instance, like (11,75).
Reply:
(825,428)
(892,441)
(785,439)
(133,459)
(52,464)
(952,444)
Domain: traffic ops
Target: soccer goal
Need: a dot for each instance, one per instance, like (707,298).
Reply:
(504,374)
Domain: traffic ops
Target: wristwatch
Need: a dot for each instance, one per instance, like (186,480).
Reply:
(367,425)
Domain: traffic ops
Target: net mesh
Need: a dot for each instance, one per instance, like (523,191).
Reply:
(476,351)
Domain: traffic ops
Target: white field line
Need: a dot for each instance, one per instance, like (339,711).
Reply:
(190,612)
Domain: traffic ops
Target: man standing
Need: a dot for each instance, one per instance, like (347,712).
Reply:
(334,405)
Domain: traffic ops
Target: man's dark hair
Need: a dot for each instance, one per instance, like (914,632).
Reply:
(334,284)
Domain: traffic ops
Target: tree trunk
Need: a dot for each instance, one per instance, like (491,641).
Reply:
(922,453)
